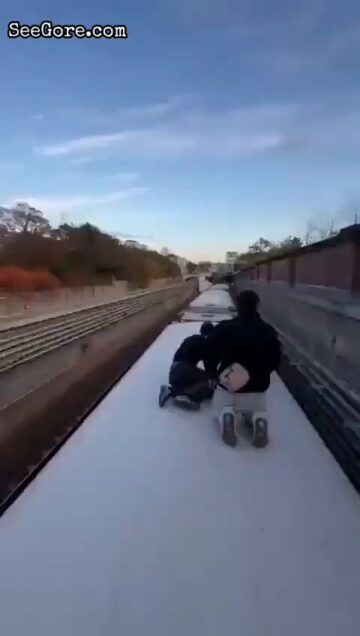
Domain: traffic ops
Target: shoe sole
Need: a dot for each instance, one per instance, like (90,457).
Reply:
(184,404)
(228,433)
(260,438)
(163,398)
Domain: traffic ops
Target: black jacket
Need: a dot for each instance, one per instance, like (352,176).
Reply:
(193,350)
(249,341)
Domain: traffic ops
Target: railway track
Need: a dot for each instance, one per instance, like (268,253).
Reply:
(24,343)
(332,408)
(58,424)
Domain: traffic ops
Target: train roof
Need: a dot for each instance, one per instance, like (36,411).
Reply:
(144,523)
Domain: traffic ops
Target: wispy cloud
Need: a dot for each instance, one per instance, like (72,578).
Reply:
(38,117)
(254,130)
(84,144)
(58,204)
(158,109)
(128,115)
(82,161)
(125,177)
(238,132)
(135,237)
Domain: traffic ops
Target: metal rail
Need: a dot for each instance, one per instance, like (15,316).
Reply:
(333,409)
(24,343)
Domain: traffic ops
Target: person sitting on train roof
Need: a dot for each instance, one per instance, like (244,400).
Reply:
(190,384)
(244,351)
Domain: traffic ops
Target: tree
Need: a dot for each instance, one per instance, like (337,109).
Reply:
(190,267)
(204,266)
(5,220)
(319,230)
(231,257)
(288,244)
(260,246)
(24,218)
(81,254)
(132,243)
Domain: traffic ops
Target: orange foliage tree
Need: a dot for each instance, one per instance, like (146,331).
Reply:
(17,279)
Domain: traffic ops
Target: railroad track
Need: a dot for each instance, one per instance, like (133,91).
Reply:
(332,408)
(331,405)
(76,405)
(22,344)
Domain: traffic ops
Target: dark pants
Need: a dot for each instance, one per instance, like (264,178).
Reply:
(186,379)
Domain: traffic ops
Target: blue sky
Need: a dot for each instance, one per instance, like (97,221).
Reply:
(215,122)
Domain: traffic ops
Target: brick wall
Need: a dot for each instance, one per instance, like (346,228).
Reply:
(333,264)
(331,267)
(279,270)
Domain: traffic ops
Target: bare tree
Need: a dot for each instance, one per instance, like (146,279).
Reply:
(24,218)
(320,230)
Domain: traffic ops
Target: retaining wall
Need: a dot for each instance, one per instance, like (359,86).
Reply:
(28,305)
(330,268)
(38,392)
(329,331)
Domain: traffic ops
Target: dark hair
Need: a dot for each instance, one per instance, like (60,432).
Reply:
(247,302)
(206,328)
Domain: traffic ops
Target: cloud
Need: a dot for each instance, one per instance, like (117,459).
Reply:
(128,115)
(126,177)
(236,132)
(83,144)
(283,127)
(135,237)
(82,161)
(38,117)
(58,204)
(162,142)
(158,109)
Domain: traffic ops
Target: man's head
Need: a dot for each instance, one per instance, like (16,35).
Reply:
(247,303)
(206,328)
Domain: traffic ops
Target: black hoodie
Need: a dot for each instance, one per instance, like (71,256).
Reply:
(193,350)
(249,341)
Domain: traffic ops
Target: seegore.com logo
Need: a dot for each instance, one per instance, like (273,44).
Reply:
(47,29)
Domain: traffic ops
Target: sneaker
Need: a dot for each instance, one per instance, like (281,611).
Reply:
(165,393)
(260,432)
(186,402)
(228,429)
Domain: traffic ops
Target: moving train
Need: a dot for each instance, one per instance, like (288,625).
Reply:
(145,524)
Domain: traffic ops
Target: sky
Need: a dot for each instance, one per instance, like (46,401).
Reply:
(214,123)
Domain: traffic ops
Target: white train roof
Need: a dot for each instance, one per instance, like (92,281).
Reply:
(145,524)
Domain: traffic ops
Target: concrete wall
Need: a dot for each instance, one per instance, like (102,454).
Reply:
(158,283)
(21,306)
(332,265)
(262,271)
(279,270)
(30,387)
(328,331)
